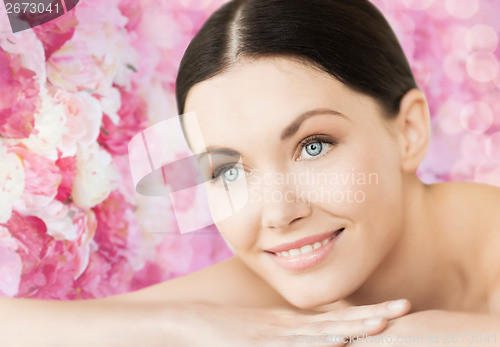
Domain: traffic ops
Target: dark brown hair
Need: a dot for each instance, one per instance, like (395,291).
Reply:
(349,39)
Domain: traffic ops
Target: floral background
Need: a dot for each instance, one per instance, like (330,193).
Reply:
(74,91)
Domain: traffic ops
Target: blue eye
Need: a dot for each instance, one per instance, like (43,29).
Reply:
(315,146)
(230,172)
(313,149)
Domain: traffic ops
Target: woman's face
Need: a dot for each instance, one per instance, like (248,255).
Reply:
(335,169)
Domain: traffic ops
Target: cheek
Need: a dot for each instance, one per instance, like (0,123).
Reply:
(381,210)
(362,185)
(231,214)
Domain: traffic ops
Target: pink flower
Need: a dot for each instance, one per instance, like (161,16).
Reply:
(42,178)
(133,11)
(18,97)
(67,167)
(33,242)
(10,264)
(56,32)
(72,67)
(50,266)
(115,138)
(118,233)
(85,223)
(150,274)
(103,278)
(83,119)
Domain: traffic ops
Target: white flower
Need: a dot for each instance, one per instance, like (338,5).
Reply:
(11,182)
(83,120)
(58,219)
(95,178)
(48,130)
(111,103)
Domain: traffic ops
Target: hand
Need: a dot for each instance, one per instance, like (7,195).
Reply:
(229,326)
(437,328)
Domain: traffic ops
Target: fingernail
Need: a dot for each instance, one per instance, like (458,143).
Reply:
(396,305)
(373,321)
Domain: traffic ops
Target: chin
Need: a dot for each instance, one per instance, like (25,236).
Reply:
(304,302)
(309,299)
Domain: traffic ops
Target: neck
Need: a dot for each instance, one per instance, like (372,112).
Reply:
(420,266)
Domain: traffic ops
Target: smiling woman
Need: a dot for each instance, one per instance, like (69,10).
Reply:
(265,95)
(311,129)
(251,69)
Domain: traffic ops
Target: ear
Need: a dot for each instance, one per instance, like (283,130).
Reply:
(413,126)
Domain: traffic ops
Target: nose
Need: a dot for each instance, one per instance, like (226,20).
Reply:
(282,206)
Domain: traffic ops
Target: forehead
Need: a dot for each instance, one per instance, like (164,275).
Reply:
(257,99)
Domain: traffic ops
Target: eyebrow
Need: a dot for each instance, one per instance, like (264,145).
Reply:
(213,150)
(291,129)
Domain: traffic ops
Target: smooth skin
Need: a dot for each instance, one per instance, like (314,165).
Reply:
(435,245)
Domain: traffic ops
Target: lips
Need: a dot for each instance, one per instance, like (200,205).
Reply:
(304,241)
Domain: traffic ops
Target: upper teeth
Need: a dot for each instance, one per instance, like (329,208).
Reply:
(303,250)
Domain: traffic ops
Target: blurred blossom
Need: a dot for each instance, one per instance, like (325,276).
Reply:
(453,65)
(417,4)
(462,8)
(493,146)
(488,172)
(481,38)
(476,117)
(448,117)
(482,66)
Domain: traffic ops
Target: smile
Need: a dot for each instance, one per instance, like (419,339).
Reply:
(304,249)
(304,253)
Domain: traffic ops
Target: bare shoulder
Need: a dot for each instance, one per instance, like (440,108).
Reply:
(483,203)
(229,282)
(491,246)
(472,204)
(472,214)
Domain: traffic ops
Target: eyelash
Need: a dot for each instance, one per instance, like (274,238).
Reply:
(216,177)
(311,139)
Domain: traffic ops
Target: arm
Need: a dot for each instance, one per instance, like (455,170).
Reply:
(439,328)
(98,322)
(162,311)
(110,323)
(204,308)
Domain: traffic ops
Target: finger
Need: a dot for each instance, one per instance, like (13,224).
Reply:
(294,339)
(344,330)
(388,309)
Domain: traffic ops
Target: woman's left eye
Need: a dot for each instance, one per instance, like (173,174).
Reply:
(314,148)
